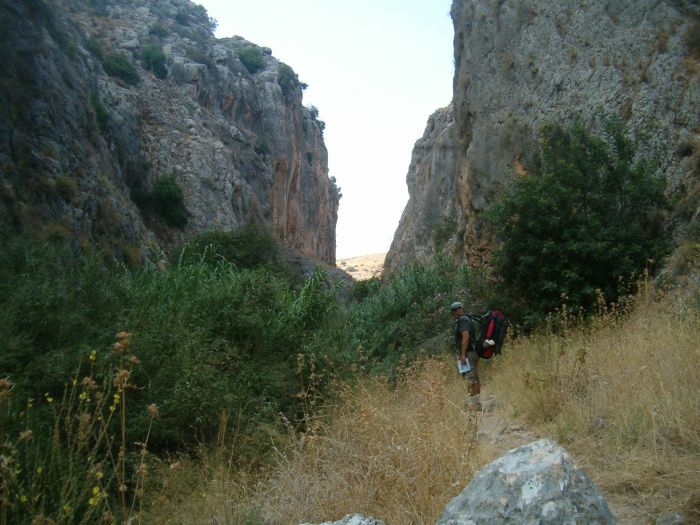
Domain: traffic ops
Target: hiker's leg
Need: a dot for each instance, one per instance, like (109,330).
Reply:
(472,377)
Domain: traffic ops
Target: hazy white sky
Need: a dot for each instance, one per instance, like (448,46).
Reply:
(376,70)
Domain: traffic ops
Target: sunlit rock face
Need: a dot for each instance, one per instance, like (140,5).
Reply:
(520,64)
(80,143)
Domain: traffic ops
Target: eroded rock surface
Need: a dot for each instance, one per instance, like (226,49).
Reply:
(520,64)
(81,142)
(537,483)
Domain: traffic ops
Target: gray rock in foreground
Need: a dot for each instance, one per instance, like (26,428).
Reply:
(353,519)
(538,484)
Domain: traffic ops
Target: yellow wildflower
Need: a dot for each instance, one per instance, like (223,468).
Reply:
(93,356)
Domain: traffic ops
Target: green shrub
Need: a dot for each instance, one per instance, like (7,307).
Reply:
(207,336)
(167,201)
(252,58)
(100,113)
(249,247)
(159,30)
(262,147)
(287,79)
(182,17)
(118,66)
(153,58)
(93,45)
(313,113)
(443,232)
(199,55)
(365,288)
(581,224)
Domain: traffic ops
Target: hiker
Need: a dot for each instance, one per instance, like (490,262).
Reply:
(465,338)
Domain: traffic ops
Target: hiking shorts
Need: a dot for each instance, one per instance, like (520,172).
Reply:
(472,377)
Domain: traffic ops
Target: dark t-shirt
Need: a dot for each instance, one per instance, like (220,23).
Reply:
(464,324)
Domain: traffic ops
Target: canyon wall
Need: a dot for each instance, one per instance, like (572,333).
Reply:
(101,99)
(520,64)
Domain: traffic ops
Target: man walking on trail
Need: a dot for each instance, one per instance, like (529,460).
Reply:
(465,338)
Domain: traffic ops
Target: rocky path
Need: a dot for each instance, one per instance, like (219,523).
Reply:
(499,434)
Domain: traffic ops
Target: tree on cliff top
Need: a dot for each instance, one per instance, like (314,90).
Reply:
(582,223)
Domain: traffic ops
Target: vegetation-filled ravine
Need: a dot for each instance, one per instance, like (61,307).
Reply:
(216,382)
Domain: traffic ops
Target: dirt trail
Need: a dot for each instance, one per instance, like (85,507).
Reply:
(502,434)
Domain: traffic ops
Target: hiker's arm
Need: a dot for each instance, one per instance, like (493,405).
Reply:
(465,347)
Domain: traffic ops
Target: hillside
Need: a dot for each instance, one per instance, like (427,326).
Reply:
(363,266)
(127,125)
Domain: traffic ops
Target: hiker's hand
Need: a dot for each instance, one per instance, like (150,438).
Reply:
(463,360)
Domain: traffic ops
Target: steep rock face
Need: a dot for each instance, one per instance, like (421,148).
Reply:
(432,189)
(521,64)
(80,147)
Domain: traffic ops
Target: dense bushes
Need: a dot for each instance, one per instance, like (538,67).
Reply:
(153,58)
(164,200)
(581,224)
(220,333)
(249,247)
(207,336)
(119,66)
(252,58)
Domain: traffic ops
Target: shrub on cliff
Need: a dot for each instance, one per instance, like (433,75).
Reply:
(252,59)
(167,202)
(118,66)
(582,223)
(153,58)
(287,79)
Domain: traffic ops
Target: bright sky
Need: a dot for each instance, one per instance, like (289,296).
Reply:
(376,70)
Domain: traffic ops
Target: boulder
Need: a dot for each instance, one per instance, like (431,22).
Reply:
(538,484)
(353,519)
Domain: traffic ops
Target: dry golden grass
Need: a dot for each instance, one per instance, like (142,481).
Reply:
(395,452)
(621,394)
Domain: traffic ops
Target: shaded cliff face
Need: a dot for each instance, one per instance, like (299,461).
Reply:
(104,97)
(521,64)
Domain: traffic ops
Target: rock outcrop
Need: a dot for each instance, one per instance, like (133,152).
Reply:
(537,483)
(353,519)
(102,98)
(522,63)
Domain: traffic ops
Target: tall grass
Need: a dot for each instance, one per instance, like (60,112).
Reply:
(612,390)
(276,404)
(64,460)
(620,393)
(397,452)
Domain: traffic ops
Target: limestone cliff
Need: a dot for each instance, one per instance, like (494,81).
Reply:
(102,98)
(522,63)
